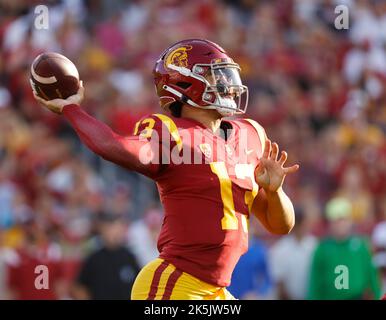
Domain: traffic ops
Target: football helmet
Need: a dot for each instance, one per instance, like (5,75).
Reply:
(200,73)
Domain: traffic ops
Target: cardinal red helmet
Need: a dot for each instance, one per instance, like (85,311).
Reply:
(200,73)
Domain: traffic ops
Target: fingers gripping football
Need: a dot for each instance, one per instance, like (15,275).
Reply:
(57,105)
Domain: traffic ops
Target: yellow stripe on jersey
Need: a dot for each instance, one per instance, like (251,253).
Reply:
(260,132)
(229,220)
(169,123)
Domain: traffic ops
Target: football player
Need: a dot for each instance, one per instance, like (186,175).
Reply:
(232,170)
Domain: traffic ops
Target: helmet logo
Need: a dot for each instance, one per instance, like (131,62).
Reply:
(178,57)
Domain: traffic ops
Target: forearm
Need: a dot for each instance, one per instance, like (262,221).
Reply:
(105,142)
(275,211)
(94,134)
(280,211)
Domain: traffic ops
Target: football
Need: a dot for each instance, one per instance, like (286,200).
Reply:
(54,76)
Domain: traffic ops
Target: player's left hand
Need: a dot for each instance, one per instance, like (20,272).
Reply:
(270,172)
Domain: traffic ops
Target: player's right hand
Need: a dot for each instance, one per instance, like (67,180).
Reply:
(57,105)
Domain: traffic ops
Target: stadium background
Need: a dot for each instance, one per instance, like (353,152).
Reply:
(318,91)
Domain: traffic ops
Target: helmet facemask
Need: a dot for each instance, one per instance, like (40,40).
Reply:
(224,90)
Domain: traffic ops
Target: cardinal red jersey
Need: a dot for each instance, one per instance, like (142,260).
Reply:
(206,185)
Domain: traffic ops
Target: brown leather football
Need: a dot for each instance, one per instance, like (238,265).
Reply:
(54,76)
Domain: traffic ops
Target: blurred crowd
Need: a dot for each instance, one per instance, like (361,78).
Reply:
(318,91)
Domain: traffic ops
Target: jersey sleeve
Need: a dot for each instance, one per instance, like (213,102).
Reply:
(132,152)
(256,129)
(162,133)
(260,132)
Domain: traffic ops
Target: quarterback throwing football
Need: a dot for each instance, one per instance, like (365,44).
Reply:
(232,170)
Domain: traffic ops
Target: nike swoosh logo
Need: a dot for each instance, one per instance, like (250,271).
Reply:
(249,151)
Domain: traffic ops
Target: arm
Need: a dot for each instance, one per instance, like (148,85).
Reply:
(274,210)
(124,151)
(272,206)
